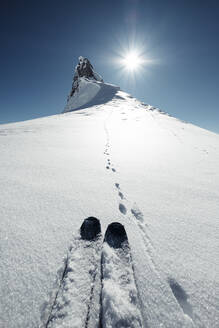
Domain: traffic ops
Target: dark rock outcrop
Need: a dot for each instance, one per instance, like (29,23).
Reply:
(83,69)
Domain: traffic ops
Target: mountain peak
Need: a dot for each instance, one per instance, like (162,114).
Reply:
(88,87)
(84,69)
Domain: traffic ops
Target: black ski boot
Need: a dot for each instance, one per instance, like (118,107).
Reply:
(90,228)
(115,235)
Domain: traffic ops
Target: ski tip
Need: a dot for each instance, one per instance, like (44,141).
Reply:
(90,228)
(115,235)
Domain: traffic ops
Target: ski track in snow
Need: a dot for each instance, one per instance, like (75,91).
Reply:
(133,213)
(78,279)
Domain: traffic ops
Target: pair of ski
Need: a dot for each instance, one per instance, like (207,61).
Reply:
(97,289)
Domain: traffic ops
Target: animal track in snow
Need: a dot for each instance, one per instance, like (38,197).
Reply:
(117,185)
(113,170)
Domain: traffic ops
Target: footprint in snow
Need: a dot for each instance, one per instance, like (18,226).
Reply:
(137,213)
(117,185)
(181,297)
(122,209)
(121,195)
(113,170)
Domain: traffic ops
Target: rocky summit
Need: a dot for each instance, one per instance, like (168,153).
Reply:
(84,69)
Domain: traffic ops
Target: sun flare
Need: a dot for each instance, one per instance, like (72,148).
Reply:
(132,61)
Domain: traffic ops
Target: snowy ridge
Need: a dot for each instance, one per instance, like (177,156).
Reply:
(118,160)
(90,93)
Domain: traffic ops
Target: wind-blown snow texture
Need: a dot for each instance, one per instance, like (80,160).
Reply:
(118,161)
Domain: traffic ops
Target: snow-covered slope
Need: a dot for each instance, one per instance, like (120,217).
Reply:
(119,161)
(90,93)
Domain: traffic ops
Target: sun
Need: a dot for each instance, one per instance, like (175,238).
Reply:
(131,61)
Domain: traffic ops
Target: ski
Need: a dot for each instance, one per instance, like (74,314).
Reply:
(119,296)
(77,302)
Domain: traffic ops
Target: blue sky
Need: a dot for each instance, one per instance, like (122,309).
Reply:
(41,41)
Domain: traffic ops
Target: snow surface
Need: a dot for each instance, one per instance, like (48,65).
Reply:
(78,290)
(120,306)
(119,161)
